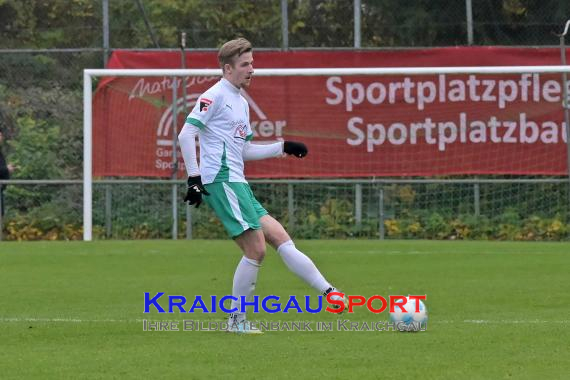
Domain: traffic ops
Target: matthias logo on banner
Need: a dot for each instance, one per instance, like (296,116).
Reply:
(354,126)
(133,123)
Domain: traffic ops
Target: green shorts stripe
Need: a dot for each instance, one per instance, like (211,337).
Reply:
(235,205)
(236,211)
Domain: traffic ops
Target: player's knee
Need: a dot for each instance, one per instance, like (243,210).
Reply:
(252,244)
(276,236)
(256,253)
(280,238)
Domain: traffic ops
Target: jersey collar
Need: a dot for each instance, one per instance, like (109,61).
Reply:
(230,86)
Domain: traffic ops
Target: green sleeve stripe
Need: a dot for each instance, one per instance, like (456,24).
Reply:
(195,122)
(249,137)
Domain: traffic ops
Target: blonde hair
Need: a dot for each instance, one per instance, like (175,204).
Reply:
(232,50)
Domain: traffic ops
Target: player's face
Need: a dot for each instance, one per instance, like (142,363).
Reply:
(241,72)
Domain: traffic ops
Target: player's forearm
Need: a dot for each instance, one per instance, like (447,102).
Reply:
(187,140)
(252,152)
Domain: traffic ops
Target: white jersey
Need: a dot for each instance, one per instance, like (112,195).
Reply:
(222,115)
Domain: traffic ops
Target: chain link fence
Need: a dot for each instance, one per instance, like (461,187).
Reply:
(274,24)
(434,209)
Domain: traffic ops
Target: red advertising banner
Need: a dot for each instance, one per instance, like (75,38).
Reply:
(354,126)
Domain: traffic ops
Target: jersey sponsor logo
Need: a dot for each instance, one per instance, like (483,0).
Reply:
(241,132)
(204,104)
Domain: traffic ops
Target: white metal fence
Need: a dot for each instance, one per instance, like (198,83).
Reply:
(372,208)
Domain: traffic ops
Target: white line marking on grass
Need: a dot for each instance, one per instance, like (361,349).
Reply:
(382,252)
(504,322)
(514,322)
(73,320)
(468,321)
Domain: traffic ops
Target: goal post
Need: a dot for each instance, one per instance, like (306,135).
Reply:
(373,136)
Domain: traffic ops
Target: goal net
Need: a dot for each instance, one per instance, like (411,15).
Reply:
(431,152)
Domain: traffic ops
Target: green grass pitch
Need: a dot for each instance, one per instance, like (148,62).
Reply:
(75,310)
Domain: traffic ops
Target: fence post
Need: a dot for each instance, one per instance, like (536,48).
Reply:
(108,210)
(357,24)
(284,26)
(358,204)
(381,212)
(174,211)
(476,199)
(291,207)
(188,222)
(105,32)
(469,11)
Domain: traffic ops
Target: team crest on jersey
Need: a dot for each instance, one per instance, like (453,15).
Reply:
(241,132)
(204,104)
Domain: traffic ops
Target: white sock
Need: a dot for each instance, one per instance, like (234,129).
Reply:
(302,266)
(244,283)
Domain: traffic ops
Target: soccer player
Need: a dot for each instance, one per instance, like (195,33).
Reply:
(5,171)
(221,119)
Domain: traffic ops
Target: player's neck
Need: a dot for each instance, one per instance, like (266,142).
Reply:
(230,83)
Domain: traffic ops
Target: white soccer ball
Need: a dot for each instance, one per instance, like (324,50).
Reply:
(410,320)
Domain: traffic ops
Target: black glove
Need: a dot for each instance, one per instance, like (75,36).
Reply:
(297,149)
(195,191)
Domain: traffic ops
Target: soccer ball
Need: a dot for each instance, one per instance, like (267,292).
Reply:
(410,320)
